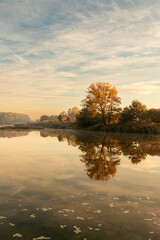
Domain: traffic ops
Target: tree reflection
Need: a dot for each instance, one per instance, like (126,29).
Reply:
(101,154)
(100,159)
(134,151)
(137,149)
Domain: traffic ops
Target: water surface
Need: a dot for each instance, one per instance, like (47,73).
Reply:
(67,185)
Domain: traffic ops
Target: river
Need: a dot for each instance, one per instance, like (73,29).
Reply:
(63,184)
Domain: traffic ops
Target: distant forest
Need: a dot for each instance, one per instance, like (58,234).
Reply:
(9,118)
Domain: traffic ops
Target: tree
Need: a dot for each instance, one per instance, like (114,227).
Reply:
(86,117)
(44,118)
(61,118)
(72,112)
(135,112)
(69,119)
(154,115)
(48,118)
(102,98)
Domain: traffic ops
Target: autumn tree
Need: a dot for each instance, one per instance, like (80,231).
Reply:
(70,115)
(102,98)
(135,112)
(72,112)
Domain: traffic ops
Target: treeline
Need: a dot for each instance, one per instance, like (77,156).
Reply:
(9,118)
(69,116)
(134,118)
(48,118)
(101,110)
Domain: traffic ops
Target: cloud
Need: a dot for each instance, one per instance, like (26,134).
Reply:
(142,88)
(58,48)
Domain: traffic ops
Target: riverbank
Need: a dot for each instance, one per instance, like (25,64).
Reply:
(21,127)
(144,128)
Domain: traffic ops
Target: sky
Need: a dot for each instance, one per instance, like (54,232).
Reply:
(52,50)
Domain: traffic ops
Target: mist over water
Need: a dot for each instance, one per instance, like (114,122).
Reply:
(63,184)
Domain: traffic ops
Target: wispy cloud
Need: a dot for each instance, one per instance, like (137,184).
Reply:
(57,48)
(142,87)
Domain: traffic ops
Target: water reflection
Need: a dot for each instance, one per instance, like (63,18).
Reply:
(101,154)
(11,134)
(101,159)
(44,191)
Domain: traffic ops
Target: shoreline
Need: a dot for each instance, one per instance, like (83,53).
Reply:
(99,131)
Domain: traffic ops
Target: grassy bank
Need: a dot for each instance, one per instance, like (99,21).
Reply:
(145,128)
(130,127)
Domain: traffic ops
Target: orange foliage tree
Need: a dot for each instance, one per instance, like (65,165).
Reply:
(102,98)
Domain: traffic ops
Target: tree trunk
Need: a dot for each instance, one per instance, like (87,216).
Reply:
(109,119)
(103,119)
